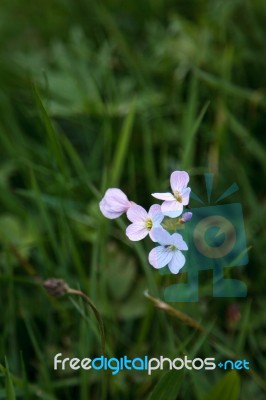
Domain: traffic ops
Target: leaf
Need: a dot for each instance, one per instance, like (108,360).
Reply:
(134,307)
(52,135)
(121,275)
(252,145)
(255,97)
(245,329)
(228,388)
(10,392)
(122,147)
(25,383)
(10,229)
(168,386)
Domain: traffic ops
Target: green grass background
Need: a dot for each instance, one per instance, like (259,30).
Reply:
(121,93)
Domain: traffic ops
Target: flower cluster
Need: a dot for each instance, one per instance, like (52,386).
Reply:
(143,223)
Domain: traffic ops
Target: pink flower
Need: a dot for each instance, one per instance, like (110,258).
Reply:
(143,222)
(114,203)
(174,202)
(169,252)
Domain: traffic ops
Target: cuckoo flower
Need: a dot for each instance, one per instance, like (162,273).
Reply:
(174,202)
(143,222)
(114,203)
(169,252)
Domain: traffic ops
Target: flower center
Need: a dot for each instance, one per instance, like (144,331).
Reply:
(178,196)
(148,223)
(172,247)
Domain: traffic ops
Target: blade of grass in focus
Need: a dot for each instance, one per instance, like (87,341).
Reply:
(122,147)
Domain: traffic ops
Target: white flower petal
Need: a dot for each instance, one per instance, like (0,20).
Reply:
(179,242)
(159,257)
(161,236)
(152,235)
(177,262)
(185,196)
(136,232)
(137,214)
(108,214)
(117,200)
(114,203)
(164,196)
(156,215)
(172,208)
(179,180)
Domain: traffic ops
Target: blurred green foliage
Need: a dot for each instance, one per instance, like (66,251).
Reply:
(118,93)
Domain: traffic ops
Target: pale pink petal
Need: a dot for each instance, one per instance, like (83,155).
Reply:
(109,214)
(185,196)
(156,215)
(117,198)
(151,234)
(179,242)
(161,236)
(137,214)
(177,262)
(155,237)
(179,180)
(159,257)
(164,196)
(172,209)
(136,232)
(114,203)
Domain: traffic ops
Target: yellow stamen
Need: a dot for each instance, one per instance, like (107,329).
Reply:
(172,247)
(178,196)
(148,223)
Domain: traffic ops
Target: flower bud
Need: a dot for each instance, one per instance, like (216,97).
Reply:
(56,287)
(114,203)
(186,217)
